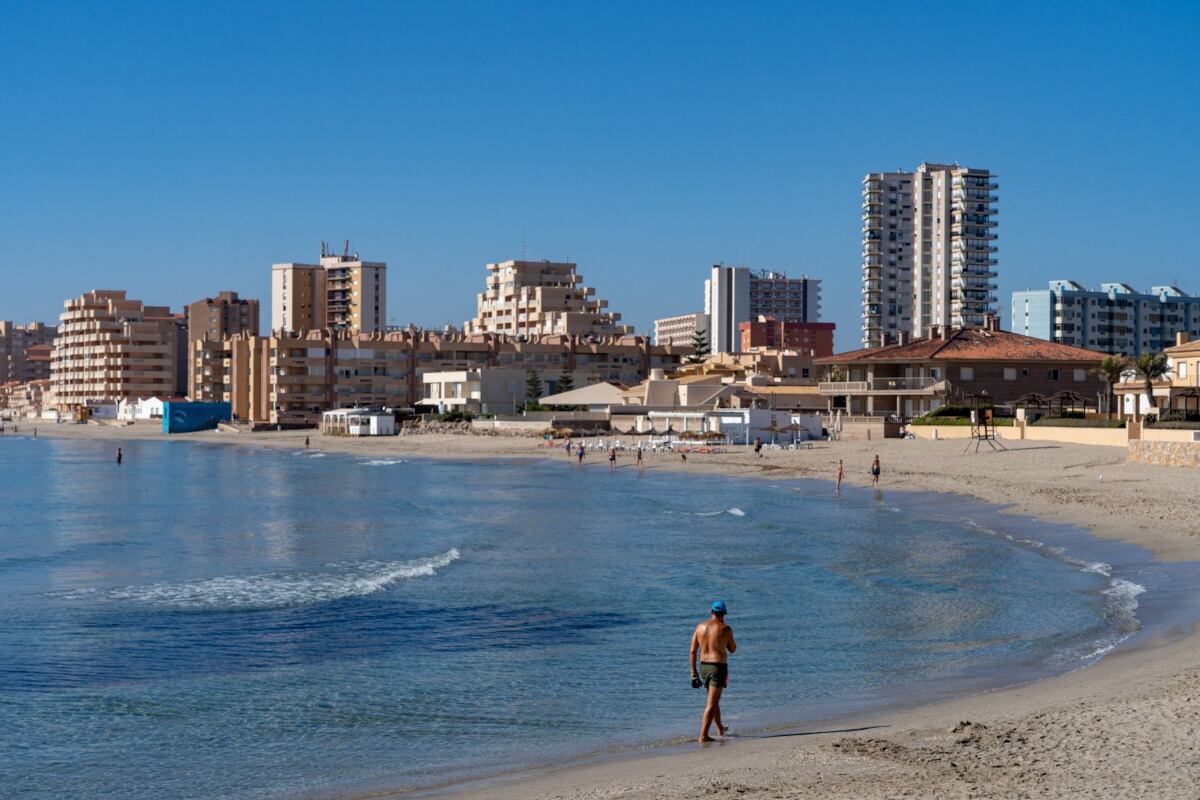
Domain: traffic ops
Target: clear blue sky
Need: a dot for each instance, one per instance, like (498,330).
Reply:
(178,149)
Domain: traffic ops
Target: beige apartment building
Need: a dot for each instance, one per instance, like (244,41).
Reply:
(217,318)
(22,351)
(291,378)
(928,255)
(111,348)
(342,292)
(541,298)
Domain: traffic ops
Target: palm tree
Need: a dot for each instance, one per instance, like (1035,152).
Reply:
(1110,369)
(1152,367)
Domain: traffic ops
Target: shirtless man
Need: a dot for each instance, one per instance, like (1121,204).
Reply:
(711,639)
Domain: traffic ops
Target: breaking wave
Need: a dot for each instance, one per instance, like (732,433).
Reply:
(383,462)
(277,590)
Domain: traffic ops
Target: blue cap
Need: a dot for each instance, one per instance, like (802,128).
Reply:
(718,607)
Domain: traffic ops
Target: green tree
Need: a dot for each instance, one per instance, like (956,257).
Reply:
(566,381)
(533,388)
(1152,367)
(700,348)
(1110,370)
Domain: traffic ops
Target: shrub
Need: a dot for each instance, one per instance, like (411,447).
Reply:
(929,419)
(1075,422)
(456,416)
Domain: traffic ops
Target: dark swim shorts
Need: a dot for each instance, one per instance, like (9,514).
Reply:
(714,674)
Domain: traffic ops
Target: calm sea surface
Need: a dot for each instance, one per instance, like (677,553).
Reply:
(228,622)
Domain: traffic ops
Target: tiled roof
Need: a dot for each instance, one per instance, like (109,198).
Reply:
(968,344)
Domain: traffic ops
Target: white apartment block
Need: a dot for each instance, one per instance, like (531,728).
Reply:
(682,329)
(535,298)
(928,255)
(733,295)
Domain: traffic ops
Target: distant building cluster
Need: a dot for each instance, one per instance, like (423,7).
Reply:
(737,295)
(930,332)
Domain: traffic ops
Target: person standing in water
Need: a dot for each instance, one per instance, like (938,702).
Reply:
(712,641)
(579,453)
(119,456)
(640,466)
(875,471)
(839,475)
(612,458)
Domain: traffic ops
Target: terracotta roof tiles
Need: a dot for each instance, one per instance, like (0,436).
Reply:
(968,344)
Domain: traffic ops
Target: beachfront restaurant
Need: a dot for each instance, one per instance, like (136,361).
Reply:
(358,422)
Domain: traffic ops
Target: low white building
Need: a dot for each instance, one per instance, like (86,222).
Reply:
(358,422)
(141,408)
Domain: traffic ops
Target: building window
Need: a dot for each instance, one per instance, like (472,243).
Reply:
(1080,375)
(966,373)
(1052,374)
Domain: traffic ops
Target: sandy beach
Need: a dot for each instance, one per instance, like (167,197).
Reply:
(1125,727)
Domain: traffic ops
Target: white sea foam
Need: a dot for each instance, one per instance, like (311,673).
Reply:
(279,590)
(735,511)
(383,462)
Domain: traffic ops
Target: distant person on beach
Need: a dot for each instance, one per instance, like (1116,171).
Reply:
(119,456)
(684,457)
(640,465)
(758,446)
(579,453)
(612,457)
(569,448)
(875,471)
(712,641)
(839,475)
(305,442)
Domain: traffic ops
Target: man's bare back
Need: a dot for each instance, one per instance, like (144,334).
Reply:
(713,640)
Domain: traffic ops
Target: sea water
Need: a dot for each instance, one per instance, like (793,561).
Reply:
(229,622)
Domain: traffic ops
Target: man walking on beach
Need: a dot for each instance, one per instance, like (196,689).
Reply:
(712,640)
(875,471)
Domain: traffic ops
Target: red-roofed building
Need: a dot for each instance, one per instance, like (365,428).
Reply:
(911,378)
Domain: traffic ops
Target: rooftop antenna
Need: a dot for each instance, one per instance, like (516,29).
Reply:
(345,248)
(524,245)
(324,249)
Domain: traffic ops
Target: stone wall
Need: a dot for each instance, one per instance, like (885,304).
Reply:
(1167,454)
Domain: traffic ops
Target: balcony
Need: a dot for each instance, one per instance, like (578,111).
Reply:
(893,386)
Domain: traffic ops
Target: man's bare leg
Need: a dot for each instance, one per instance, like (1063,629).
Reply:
(711,709)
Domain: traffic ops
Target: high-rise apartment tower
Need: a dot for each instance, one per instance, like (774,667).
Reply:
(341,292)
(929,251)
(733,295)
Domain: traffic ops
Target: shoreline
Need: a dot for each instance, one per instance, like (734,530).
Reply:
(1006,748)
